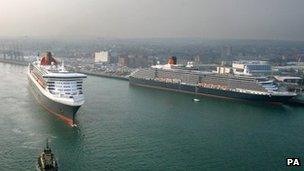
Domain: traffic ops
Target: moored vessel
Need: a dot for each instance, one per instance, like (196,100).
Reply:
(299,99)
(173,77)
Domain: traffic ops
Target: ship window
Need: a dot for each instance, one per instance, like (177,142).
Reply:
(240,70)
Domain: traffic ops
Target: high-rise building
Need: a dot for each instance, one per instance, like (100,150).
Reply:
(102,57)
(226,52)
(123,61)
(197,60)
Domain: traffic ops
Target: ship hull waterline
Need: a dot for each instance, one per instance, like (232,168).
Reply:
(64,112)
(208,91)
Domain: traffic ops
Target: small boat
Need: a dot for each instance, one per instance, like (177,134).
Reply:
(47,160)
(196,100)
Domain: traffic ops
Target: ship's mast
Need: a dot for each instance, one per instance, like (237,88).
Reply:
(38,56)
(47,143)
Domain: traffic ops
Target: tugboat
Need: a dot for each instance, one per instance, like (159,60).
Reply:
(46,160)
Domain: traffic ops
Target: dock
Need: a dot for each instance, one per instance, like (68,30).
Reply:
(15,62)
(100,74)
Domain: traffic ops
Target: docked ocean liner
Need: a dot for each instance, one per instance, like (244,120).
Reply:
(173,77)
(55,89)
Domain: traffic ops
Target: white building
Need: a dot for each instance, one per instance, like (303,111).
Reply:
(251,67)
(102,57)
(288,79)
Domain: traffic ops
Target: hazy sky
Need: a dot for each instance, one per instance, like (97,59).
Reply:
(254,19)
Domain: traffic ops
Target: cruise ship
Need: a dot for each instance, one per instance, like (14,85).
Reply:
(55,89)
(173,77)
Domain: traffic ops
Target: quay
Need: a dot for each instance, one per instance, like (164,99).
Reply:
(15,62)
(101,74)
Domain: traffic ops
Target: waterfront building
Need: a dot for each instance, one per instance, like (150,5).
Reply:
(289,79)
(251,67)
(102,57)
(141,61)
(131,61)
(123,61)
(197,60)
(226,52)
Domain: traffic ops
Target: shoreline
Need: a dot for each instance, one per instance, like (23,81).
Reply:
(103,75)
(25,63)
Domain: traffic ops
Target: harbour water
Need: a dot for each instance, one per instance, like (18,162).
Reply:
(121,127)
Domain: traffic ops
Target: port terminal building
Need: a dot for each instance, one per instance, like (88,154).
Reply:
(247,68)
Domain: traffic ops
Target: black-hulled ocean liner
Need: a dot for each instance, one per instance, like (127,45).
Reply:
(57,90)
(171,77)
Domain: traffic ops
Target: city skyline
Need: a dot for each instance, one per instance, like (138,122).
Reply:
(233,19)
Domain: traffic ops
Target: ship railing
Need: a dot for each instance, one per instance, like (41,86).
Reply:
(78,98)
(282,93)
(67,96)
(191,84)
(251,91)
(213,86)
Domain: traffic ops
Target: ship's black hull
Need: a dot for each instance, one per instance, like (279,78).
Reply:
(298,100)
(193,89)
(64,112)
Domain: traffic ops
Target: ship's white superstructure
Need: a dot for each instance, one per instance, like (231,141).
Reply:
(60,91)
